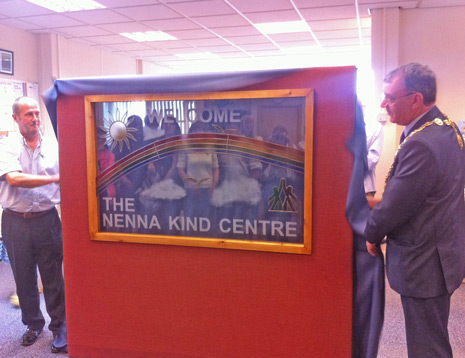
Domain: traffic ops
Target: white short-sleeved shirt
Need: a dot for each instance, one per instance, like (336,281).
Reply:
(16,155)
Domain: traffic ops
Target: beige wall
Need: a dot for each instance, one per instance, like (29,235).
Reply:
(25,56)
(25,48)
(437,37)
(80,60)
(431,36)
(42,58)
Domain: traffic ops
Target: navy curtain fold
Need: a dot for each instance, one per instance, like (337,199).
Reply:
(182,83)
(368,271)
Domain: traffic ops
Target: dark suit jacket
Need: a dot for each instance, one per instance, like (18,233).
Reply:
(423,213)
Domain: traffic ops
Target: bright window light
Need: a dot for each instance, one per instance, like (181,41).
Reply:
(148,36)
(301,50)
(284,27)
(199,56)
(68,5)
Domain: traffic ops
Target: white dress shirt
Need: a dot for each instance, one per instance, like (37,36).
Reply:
(16,155)
(375,136)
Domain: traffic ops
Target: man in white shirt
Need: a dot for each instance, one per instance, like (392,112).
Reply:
(31,227)
(375,136)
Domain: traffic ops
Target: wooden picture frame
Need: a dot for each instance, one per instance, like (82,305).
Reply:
(6,62)
(255,195)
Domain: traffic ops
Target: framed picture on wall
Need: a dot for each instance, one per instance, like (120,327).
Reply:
(7,62)
(224,169)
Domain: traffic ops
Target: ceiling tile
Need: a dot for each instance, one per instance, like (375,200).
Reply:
(273,16)
(325,13)
(168,44)
(340,42)
(213,49)
(167,58)
(299,36)
(203,8)
(259,47)
(172,24)
(78,31)
(364,7)
(175,1)
(53,21)
(236,31)
(384,2)
(151,12)
(131,46)
(98,16)
(18,24)
(320,3)
(125,27)
(108,48)
(238,40)
(231,33)
(260,6)
(148,52)
(110,39)
(311,45)
(208,42)
(436,3)
(191,34)
(125,3)
(340,24)
(23,9)
(183,50)
(335,34)
(221,20)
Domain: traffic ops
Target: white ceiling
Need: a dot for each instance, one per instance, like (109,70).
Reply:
(222,27)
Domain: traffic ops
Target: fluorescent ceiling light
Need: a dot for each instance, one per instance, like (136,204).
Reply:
(148,36)
(68,5)
(199,56)
(284,27)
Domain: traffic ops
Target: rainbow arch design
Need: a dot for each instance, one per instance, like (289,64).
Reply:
(211,142)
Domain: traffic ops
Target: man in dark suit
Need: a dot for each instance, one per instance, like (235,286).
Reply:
(422,212)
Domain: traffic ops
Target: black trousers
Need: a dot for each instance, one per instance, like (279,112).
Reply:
(37,243)
(426,321)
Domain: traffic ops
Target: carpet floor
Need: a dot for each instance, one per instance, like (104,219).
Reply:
(392,343)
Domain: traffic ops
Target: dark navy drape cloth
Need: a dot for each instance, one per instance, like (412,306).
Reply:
(368,308)
(368,312)
(185,83)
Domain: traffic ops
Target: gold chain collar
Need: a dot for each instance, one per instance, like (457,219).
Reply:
(436,121)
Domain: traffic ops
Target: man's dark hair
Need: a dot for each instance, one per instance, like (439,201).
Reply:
(417,78)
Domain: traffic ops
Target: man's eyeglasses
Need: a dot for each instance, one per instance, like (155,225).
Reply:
(390,100)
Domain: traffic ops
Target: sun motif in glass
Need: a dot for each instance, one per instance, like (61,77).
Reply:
(117,130)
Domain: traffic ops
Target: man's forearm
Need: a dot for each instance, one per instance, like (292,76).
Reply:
(23,180)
